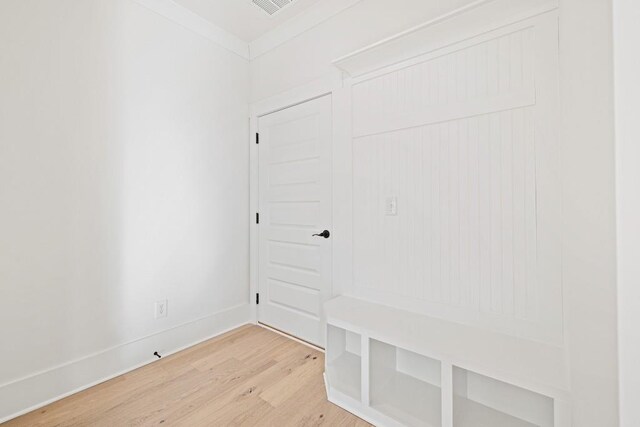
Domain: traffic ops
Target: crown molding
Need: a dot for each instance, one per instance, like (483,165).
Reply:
(471,20)
(299,24)
(195,23)
(310,18)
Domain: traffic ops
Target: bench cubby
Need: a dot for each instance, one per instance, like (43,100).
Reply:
(397,368)
(343,359)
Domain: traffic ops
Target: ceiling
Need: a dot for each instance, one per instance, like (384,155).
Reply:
(241,17)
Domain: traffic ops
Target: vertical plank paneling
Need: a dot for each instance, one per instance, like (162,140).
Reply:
(388,228)
(464,239)
(462,71)
(445,217)
(474,213)
(504,64)
(530,212)
(516,60)
(426,235)
(495,227)
(454,211)
(484,217)
(493,68)
(404,144)
(482,79)
(528,67)
(507,212)
(363,179)
(519,218)
(442,81)
(436,252)
(464,211)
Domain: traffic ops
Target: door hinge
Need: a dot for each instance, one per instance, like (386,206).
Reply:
(257,218)
(257,138)
(257,299)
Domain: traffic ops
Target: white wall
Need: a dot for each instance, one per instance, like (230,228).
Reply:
(123,181)
(627,107)
(587,164)
(588,203)
(116,130)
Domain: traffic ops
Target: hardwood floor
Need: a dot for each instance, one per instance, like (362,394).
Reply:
(248,377)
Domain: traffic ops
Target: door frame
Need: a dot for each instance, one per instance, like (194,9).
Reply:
(341,173)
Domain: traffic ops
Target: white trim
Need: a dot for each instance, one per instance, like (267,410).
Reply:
(291,337)
(413,29)
(42,388)
(331,84)
(295,96)
(258,109)
(474,19)
(310,18)
(195,23)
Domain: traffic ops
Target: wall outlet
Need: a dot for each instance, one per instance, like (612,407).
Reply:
(161,308)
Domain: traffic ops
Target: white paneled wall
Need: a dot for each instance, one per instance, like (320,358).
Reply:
(464,141)
(466,216)
(490,75)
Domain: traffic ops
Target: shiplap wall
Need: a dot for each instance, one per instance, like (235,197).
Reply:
(465,139)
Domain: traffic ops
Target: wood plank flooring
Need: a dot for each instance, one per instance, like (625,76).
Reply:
(248,377)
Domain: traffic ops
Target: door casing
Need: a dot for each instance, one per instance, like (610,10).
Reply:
(331,84)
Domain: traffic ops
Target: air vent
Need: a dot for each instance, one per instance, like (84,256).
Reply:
(272,7)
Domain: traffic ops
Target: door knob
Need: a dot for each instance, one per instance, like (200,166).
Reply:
(324,234)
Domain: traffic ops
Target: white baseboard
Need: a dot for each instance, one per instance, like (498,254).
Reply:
(27,394)
(291,337)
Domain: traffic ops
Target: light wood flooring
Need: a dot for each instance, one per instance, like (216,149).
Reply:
(248,377)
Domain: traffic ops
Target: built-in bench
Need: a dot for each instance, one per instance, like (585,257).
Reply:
(393,367)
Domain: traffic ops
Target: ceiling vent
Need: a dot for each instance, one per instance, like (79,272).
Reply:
(271,7)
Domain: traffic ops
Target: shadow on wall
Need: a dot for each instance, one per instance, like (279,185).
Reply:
(123,160)
(60,183)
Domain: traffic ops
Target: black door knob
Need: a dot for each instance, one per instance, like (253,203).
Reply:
(324,234)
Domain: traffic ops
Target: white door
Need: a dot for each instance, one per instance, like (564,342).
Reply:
(295,203)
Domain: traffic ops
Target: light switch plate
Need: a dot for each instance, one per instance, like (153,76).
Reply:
(161,308)
(391,206)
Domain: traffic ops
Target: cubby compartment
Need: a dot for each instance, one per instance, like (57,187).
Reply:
(480,401)
(405,386)
(344,360)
